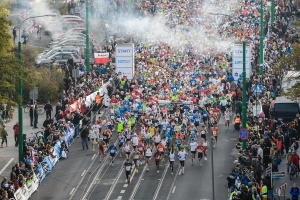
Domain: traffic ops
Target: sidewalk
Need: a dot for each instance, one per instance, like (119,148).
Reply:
(10,155)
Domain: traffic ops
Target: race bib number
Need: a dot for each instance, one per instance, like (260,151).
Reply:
(128,168)
(112,151)
(214,133)
(160,149)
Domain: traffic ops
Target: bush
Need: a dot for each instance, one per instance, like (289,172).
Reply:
(49,83)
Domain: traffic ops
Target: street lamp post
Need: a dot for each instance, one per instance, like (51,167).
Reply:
(244,107)
(87,38)
(261,40)
(20,109)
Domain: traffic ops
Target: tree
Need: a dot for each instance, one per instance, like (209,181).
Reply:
(8,62)
(291,62)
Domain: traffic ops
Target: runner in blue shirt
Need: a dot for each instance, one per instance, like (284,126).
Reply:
(112,149)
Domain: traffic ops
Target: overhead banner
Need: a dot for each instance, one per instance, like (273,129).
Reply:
(125,60)
(101,58)
(237,61)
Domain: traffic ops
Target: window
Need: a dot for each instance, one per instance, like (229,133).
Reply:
(66,56)
(57,57)
(75,56)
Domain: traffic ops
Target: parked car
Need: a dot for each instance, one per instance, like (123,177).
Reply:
(59,49)
(66,37)
(68,42)
(59,57)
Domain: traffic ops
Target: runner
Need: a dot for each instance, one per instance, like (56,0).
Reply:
(203,132)
(227,116)
(128,167)
(200,150)
(172,158)
(101,147)
(112,149)
(157,157)
(148,156)
(127,148)
(205,148)
(135,141)
(215,132)
(193,147)
(136,157)
(121,143)
(182,156)
(94,135)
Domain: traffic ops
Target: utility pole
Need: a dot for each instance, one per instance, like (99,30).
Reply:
(272,11)
(244,107)
(20,103)
(87,38)
(261,40)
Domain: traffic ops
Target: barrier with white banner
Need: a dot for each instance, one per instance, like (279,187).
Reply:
(27,189)
(101,58)
(237,61)
(125,60)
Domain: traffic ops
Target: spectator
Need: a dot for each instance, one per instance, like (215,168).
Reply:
(16,133)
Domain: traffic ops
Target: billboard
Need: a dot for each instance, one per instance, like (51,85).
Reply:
(237,61)
(125,60)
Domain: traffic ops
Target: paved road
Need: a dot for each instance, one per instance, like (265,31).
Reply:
(82,176)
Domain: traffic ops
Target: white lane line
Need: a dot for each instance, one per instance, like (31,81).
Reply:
(122,191)
(125,185)
(93,182)
(173,183)
(94,156)
(5,166)
(119,197)
(83,173)
(174,188)
(72,191)
(114,184)
(161,181)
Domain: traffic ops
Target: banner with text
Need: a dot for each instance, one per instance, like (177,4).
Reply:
(125,60)
(237,61)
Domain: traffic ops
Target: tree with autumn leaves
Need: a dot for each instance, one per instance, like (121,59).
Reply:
(291,62)
(49,81)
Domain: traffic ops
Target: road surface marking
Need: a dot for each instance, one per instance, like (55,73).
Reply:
(7,164)
(111,189)
(174,188)
(119,197)
(72,191)
(93,182)
(161,181)
(94,156)
(125,185)
(122,191)
(173,183)
(83,173)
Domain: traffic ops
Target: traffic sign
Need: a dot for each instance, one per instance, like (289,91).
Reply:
(257,89)
(269,170)
(278,174)
(244,134)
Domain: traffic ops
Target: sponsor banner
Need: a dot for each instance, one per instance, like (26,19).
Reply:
(237,51)
(101,58)
(125,50)
(237,61)
(124,62)
(40,173)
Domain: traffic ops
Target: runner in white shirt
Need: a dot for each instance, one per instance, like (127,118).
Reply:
(172,159)
(182,156)
(157,139)
(193,147)
(148,154)
(205,148)
(227,115)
